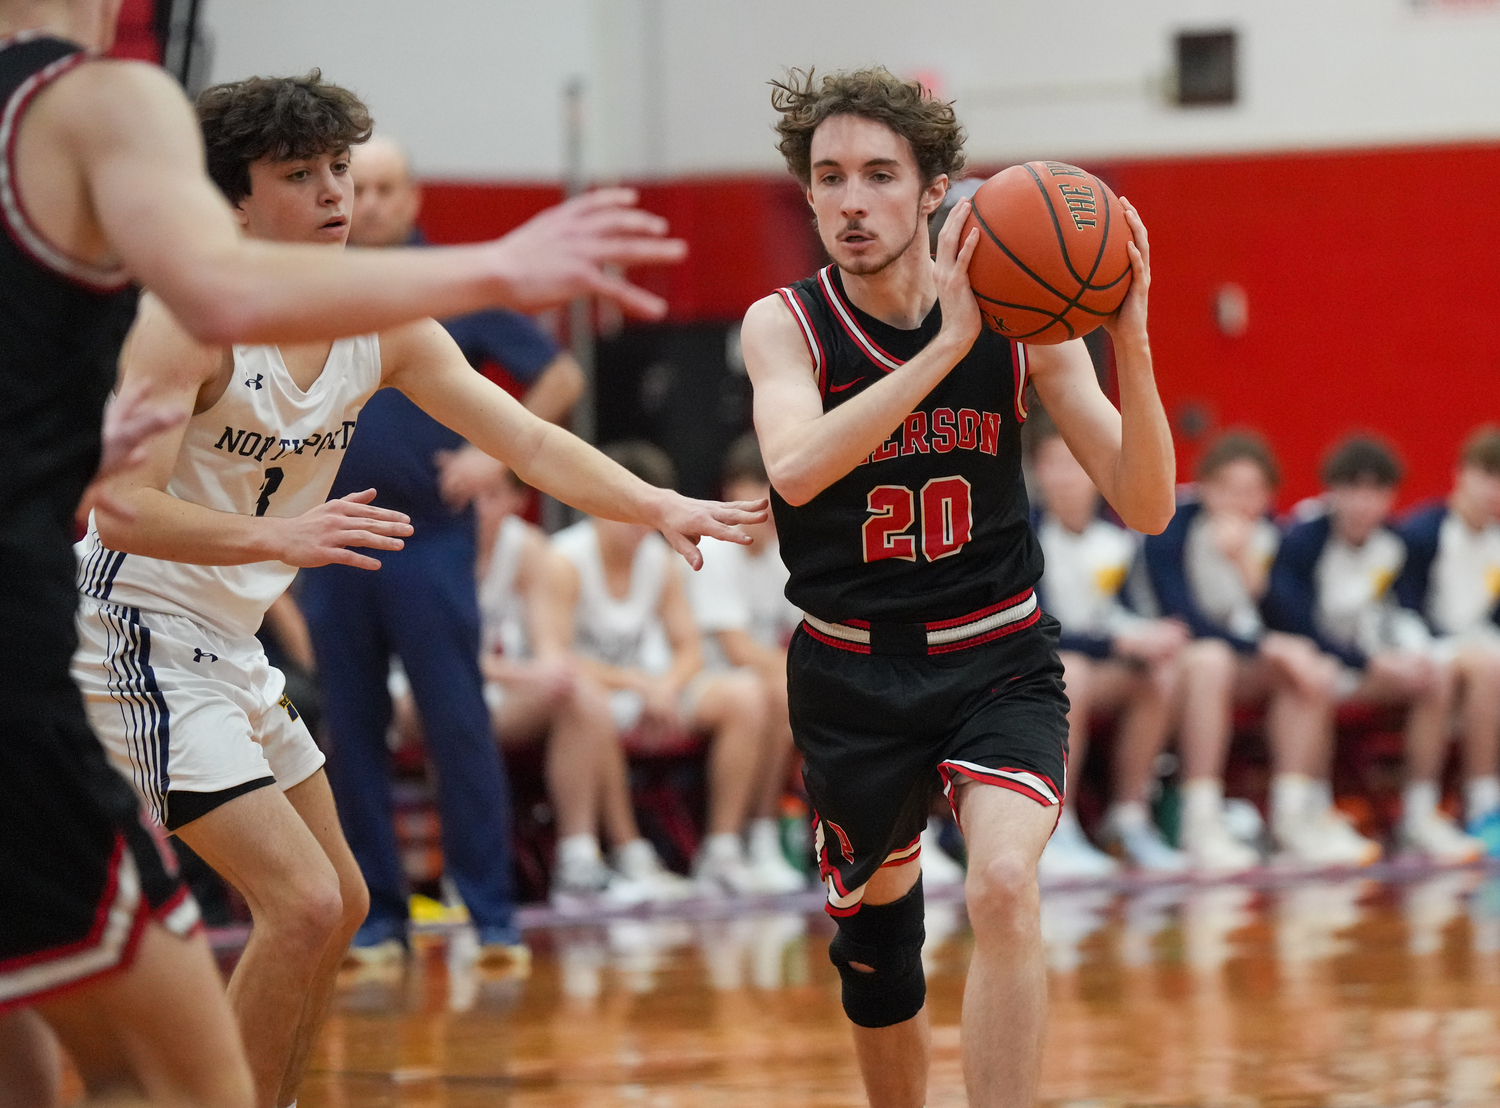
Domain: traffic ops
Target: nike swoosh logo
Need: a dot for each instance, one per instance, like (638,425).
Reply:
(842,388)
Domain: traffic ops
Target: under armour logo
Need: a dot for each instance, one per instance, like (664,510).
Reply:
(199,655)
(255,382)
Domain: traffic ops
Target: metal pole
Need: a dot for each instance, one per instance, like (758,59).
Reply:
(580,312)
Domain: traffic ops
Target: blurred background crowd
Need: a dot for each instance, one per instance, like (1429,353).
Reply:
(1304,669)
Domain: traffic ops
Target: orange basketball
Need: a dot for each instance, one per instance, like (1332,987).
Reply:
(1051,260)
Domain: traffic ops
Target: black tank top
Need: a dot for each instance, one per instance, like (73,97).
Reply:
(61,326)
(934,524)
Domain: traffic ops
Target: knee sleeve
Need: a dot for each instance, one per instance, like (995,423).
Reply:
(888,939)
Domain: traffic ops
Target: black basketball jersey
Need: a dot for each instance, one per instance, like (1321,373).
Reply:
(61,326)
(933,525)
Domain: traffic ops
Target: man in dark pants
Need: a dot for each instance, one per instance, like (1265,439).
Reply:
(422,607)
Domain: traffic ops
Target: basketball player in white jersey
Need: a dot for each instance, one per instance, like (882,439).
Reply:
(536,692)
(632,628)
(221,513)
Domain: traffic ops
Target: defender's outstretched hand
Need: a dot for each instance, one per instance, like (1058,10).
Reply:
(323,535)
(683,521)
(1130,319)
(564,253)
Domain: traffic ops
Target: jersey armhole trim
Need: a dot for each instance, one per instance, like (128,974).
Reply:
(1018,359)
(13,213)
(871,348)
(809,335)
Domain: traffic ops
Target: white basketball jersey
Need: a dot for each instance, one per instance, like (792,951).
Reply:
(502,613)
(1084,575)
(265,448)
(619,631)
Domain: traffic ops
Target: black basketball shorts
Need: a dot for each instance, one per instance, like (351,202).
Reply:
(880,734)
(82,869)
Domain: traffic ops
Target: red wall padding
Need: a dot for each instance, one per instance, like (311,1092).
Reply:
(1373,286)
(1374,298)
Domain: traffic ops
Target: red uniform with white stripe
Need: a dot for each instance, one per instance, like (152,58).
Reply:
(925,549)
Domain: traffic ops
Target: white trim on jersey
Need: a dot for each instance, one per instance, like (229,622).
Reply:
(119,920)
(856,332)
(12,211)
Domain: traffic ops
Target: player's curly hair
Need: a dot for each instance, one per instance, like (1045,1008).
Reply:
(280,118)
(929,124)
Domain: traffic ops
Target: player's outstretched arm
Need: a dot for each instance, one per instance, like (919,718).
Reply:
(424,362)
(1127,452)
(137,147)
(806,449)
(135,514)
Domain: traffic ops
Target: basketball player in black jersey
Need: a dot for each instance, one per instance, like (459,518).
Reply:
(890,422)
(103,187)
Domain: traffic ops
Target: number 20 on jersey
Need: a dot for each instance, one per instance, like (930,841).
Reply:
(945,526)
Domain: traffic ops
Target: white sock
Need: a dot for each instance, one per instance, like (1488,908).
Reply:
(1319,796)
(762,837)
(722,846)
(1482,796)
(1127,815)
(578,850)
(293,1104)
(1202,801)
(1291,795)
(1418,800)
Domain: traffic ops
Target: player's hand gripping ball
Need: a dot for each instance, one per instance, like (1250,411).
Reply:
(1051,261)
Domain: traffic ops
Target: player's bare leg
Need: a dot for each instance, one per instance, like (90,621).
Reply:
(30,1066)
(1207,708)
(160,1029)
(313,801)
(260,844)
(773,773)
(733,709)
(893,1061)
(1299,718)
(577,729)
(1005,996)
(1480,713)
(1147,697)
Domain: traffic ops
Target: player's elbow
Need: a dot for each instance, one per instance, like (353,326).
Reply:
(791,483)
(1151,519)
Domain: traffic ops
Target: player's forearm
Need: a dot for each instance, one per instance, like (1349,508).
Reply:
(805,458)
(565,467)
(1146,473)
(277,292)
(177,530)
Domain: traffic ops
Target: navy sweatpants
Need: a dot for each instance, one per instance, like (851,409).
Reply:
(421,606)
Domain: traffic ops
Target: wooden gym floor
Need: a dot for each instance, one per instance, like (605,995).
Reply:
(1350,992)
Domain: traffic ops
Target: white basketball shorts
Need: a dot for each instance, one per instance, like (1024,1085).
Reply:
(186,713)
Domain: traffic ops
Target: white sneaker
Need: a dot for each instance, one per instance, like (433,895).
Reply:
(768,865)
(1438,837)
(720,869)
(581,877)
(1069,854)
(640,877)
(939,868)
(1143,846)
(1210,848)
(1324,840)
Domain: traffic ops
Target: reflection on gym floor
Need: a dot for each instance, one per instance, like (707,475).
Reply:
(1339,992)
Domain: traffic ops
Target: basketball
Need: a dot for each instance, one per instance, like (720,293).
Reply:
(1051,261)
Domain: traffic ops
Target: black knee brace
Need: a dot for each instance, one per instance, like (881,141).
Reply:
(888,939)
